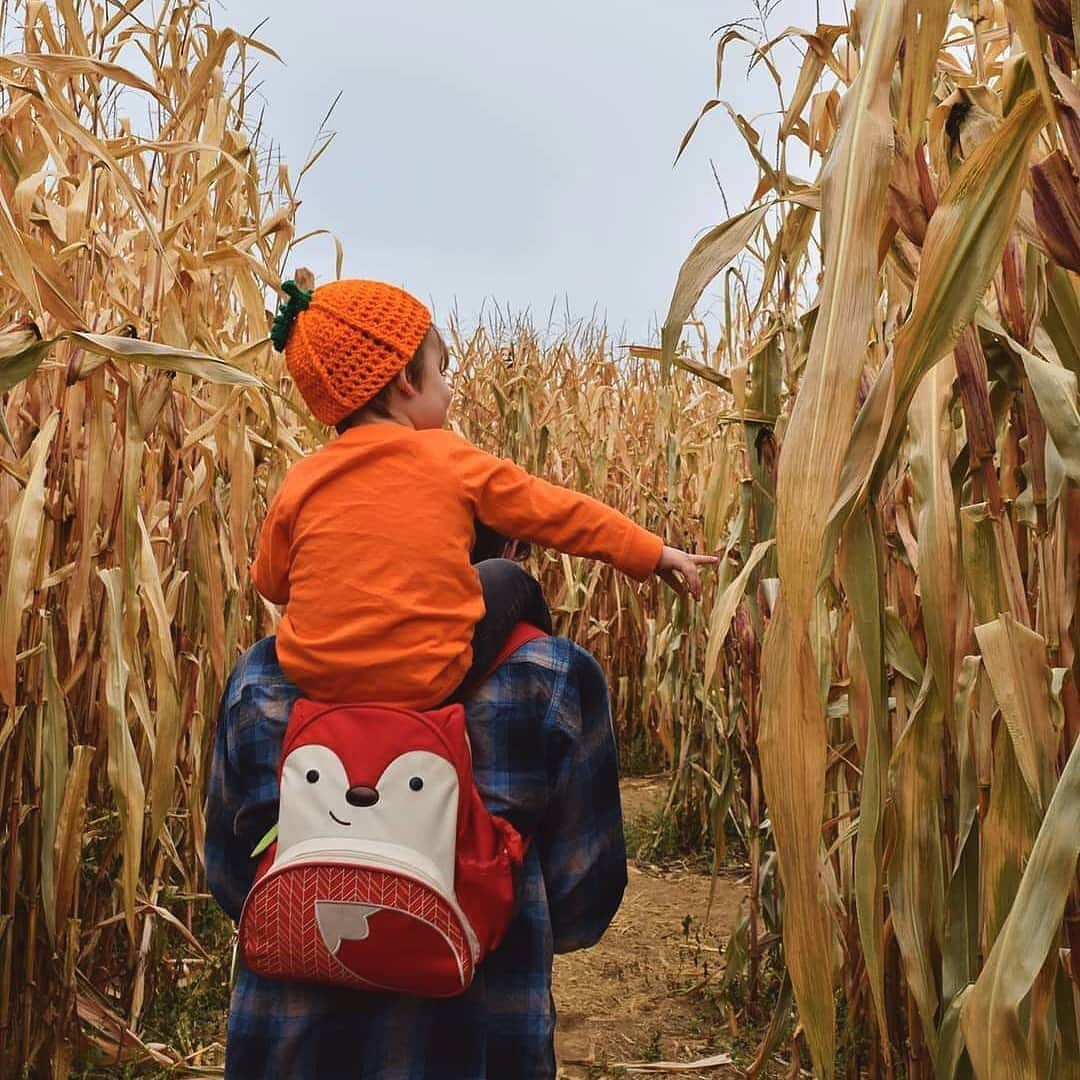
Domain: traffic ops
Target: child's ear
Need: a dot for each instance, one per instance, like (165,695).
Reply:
(404,384)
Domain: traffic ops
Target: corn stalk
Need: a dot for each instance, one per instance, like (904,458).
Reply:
(918,667)
(142,222)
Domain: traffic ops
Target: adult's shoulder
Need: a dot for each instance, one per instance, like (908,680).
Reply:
(558,679)
(572,678)
(556,654)
(258,674)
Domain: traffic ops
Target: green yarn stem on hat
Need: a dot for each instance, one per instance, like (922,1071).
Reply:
(299,300)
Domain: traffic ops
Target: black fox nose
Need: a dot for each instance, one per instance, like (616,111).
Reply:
(361,796)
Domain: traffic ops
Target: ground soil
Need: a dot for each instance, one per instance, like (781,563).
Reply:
(641,994)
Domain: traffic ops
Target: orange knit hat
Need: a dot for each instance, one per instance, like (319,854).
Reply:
(344,341)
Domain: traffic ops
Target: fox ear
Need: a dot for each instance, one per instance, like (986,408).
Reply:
(301,713)
(449,716)
(451,720)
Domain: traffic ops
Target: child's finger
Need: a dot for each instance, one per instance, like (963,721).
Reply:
(693,580)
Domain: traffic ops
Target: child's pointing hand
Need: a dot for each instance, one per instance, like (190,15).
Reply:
(680,570)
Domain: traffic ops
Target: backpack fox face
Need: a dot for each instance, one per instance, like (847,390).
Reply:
(388,873)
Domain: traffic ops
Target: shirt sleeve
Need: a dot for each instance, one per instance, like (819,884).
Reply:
(524,507)
(242,793)
(544,757)
(270,571)
(583,846)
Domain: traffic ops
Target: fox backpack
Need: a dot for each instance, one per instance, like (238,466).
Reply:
(387,872)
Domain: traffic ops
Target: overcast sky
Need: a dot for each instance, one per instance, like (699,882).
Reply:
(496,151)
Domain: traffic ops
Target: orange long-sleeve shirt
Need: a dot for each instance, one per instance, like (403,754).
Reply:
(367,545)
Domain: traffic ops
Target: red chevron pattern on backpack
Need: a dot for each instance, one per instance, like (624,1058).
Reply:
(413,934)
(388,873)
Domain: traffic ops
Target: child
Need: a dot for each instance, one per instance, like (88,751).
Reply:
(368,542)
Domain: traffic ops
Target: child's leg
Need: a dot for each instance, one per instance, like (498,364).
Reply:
(488,544)
(511,595)
(492,545)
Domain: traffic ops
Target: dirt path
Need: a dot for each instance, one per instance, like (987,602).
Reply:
(632,998)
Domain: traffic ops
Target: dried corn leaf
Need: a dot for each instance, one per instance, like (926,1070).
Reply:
(166,357)
(125,776)
(916,866)
(863,572)
(1015,659)
(998,1041)
(964,245)
(54,775)
(24,525)
(710,255)
(724,609)
(167,709)
(70,833)
(67,66)
(854,187)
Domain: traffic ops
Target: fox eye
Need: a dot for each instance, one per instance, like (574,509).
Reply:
(313,776)
(416,783)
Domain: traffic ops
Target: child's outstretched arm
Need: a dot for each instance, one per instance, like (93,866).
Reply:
(518,504)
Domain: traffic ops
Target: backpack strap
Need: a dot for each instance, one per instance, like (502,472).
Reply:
(522,634)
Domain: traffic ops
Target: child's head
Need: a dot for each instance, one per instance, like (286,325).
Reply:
(418,395)
(362,350)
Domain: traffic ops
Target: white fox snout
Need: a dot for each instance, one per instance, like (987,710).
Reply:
(413,804)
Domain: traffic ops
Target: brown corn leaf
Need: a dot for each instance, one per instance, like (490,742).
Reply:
(125,776)
(927,22)
(964,245)
(14,256)
(54,775)
(25,525)
(1056,194)
(997,1042)
(1062,319)
(67,66)
(854,199)
(70,831)
(916,867)
(21,353)
(862,572)
(1022,15)
(1007,831)
(1016,665)
(710,255)
(1057,392)
(166,357)
(724,610)
(167,710)
(936,516)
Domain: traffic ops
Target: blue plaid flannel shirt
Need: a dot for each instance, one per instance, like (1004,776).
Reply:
(544,757)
